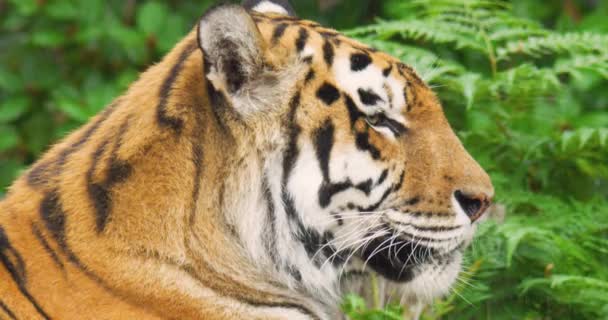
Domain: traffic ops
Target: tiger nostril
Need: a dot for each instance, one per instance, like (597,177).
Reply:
(473,206)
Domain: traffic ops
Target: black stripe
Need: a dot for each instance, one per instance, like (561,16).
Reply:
(410,202)
(329,33)
(14,264)
(219,106)
(301,40)
(165,120)
(328,190)
(362,142)
(54,218)
(117,172)
(365,186)
(391,189)
(383,177)
(7,310)
(294,272)
(284,18)
(310,75)
(43,171)
(323,139)
(269,236)
(278,32)
(387,71)
(368,96)
(408,103)
(353,112)
(313,241)
(403,68)
(98,192)
(197,162)
(359,61)
(292,151)
(51,212)
(396,127)
(328,94)
(47,247)
(307,59)
(361,138)
(328,53)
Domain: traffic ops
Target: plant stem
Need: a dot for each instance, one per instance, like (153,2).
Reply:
(375,292)
(487,42)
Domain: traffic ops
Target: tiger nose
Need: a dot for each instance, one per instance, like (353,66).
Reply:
(474,205)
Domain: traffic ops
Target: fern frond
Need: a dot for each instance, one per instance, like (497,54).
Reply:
(420,30)
(572,43)
(584,138)
(573,65)
(506,34)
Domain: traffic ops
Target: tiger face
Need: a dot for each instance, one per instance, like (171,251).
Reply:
(363,170)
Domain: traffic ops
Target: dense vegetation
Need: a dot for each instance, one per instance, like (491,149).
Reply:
(524,85)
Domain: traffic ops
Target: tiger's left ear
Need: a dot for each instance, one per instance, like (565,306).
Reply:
(232,45)
(236,61)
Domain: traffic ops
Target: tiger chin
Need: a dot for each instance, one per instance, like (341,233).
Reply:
(264,161)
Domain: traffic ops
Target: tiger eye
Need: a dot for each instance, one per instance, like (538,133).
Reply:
(374,119)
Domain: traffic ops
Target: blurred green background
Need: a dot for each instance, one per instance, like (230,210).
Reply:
(524,84)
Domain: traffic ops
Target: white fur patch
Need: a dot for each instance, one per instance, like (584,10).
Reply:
(371,78)
(269,7)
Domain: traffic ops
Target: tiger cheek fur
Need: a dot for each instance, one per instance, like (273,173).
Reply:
(253,173)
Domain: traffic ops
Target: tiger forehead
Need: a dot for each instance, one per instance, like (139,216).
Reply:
(303,35)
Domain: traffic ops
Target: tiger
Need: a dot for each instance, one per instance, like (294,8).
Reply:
(251,174)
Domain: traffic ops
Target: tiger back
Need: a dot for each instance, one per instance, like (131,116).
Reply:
(245,176)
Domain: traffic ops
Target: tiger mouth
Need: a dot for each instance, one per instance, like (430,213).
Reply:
(398,258)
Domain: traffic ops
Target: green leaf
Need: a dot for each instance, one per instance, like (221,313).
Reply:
(61,9)
(584,136)
(48,38)
(566,139)
(25,7)
(68,99)
(37,132)
(516,236)
(13,108)
(10,168)
(8,137)
(469,87)
(603,134)
(10,81)
(151,17)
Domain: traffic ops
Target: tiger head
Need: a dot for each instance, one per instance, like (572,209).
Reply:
(361,169)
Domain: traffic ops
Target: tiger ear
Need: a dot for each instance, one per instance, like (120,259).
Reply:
(270,6)
(233,47)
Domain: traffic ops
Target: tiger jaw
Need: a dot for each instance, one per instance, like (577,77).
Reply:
(401,256)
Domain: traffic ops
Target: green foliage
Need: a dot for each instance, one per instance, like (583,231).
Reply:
(356,309)
(529,102)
